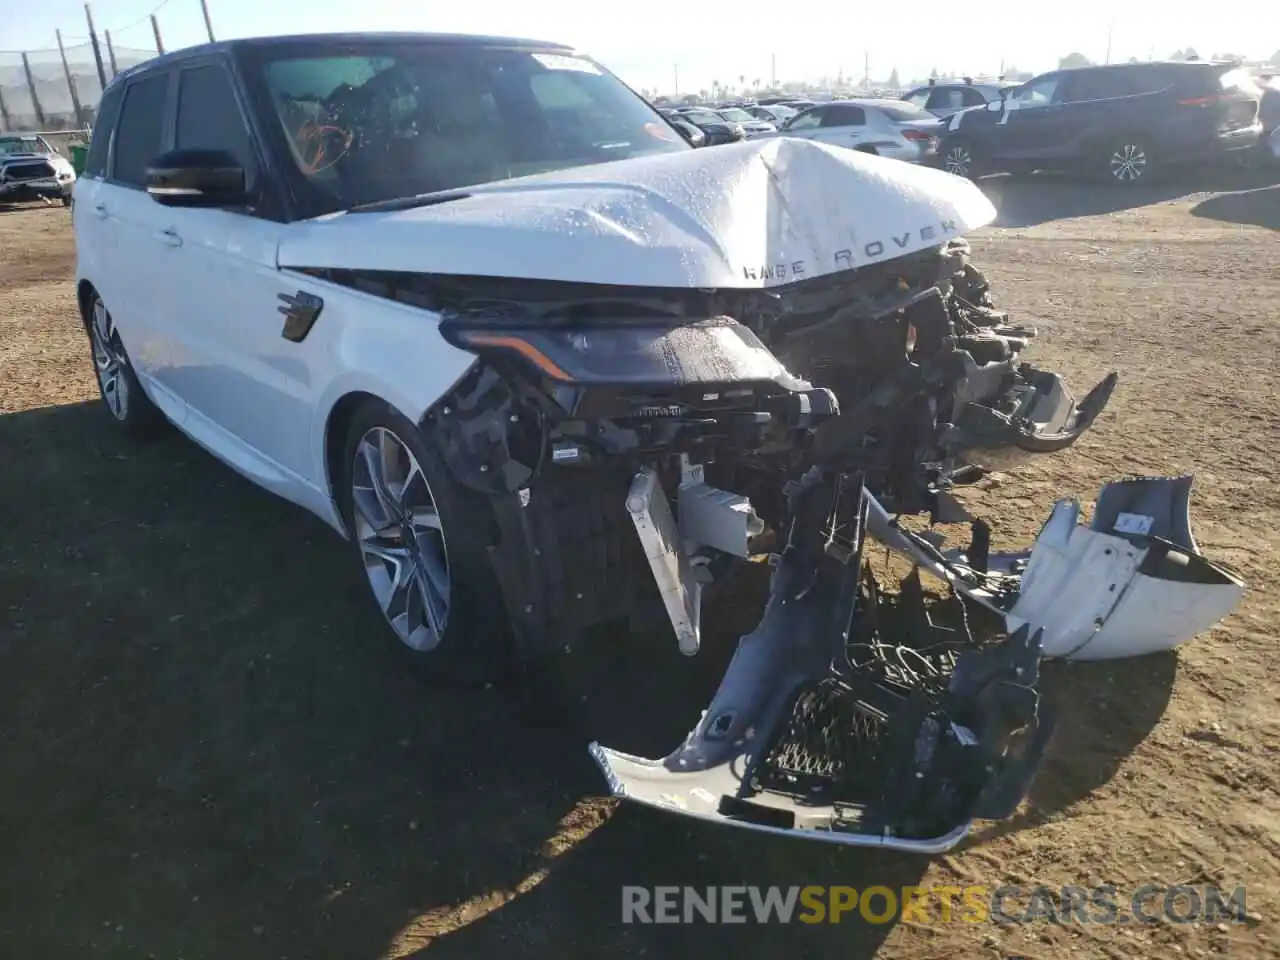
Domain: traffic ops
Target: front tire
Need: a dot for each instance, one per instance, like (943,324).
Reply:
(421,540)
(130,409)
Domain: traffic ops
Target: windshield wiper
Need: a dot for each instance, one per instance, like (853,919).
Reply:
(409,203)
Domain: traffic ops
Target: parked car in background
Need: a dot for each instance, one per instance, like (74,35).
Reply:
(752,126)
(687,130)
(777,113)
(31,169)
(714,127)
(889,128)
(1121,122)
(943,99)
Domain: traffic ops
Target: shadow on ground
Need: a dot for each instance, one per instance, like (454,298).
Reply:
(1103,711)
(208,747)
(1027,201)
(1259,207)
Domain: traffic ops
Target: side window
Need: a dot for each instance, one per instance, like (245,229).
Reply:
(1038,92)
(918,97)
(95,162)
(940,99)
(140,133)
(209,117)
(969,97)
(807,120)
(841,115)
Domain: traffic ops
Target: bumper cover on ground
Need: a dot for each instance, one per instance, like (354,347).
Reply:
(841,721)
(826,725)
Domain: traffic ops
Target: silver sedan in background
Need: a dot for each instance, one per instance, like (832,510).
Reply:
(888,128)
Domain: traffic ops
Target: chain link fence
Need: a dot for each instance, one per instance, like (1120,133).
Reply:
(38,93)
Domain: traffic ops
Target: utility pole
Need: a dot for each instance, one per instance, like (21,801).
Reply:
(31,86)
(71,83)
(4,111)
(155,28)
(773,70)
(208,24)
(111,53)
(675,76)
(1111,26)
(97,51)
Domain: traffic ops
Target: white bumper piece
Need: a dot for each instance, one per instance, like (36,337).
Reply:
(1130,583)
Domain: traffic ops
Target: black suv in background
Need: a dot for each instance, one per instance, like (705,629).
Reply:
(1122,122)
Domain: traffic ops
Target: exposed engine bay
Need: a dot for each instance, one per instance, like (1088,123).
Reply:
(638,443)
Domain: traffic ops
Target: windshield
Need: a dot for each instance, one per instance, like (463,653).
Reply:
(736,115)
(399,121)
(10,145)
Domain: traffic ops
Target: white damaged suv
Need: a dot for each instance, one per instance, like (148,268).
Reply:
(481,308)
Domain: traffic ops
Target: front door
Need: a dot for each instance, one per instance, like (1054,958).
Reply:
(1029,127)
(248,391)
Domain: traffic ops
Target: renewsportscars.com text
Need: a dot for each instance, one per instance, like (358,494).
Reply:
(1104,904)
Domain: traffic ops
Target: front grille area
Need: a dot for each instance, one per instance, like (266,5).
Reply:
(29,170)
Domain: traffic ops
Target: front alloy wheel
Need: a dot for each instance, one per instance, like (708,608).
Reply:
(1128,162)
(401,538)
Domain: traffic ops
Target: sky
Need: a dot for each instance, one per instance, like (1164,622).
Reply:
(659,43)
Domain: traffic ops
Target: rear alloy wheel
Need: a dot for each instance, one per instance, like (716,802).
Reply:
(121,393)
(1128,162)
(401,539)
(958,159)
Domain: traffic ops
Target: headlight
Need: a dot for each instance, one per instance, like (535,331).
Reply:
(737,132)
(718,350)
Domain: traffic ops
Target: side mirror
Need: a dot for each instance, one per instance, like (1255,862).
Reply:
(197,178)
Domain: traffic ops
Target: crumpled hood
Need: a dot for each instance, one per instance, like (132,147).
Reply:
(745,215)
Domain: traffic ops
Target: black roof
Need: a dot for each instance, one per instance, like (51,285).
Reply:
(308,39)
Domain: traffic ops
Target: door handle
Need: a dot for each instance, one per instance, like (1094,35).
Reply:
(101,210)
(170,237)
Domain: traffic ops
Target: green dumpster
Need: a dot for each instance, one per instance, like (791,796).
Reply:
(78,153)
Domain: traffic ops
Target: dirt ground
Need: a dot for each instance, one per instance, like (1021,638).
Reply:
(207,749)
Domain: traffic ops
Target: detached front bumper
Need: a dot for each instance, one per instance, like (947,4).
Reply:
(852,718)
(848,717)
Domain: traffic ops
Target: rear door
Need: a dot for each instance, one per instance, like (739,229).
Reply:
(806,124)
(843,125)
(131,275)
(1026,130)
(95,236)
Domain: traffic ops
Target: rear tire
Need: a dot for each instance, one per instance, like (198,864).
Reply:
(422,543)
(129,408)
(959,157)
(1127,162)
